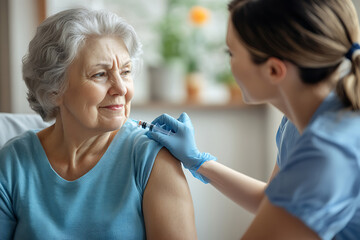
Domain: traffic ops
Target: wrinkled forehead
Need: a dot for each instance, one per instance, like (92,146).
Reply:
(104,49)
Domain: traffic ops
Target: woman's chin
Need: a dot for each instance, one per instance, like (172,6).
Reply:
(118,123)
(113,123)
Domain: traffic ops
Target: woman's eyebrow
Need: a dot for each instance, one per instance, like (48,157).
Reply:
(109,65)
(104,64)
(126,63)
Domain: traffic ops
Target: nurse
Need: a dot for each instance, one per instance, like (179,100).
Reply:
(303,57)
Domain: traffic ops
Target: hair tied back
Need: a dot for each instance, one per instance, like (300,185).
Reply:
(355,47)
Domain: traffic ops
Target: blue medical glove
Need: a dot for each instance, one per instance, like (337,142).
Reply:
(182,143)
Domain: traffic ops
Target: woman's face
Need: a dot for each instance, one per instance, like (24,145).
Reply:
(248,75)
(99,85)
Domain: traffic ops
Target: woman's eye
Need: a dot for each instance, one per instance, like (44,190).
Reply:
(227,51)
(126,73)
(99,75)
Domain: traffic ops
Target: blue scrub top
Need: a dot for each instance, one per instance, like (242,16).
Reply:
(319,177)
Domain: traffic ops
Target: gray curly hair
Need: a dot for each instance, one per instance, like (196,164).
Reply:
(55,45)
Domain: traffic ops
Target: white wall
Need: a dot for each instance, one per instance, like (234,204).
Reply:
(23,22)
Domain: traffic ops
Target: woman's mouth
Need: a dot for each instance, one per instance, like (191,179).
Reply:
(114,107)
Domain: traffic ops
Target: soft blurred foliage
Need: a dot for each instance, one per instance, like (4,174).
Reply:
(189,32)
(226,77)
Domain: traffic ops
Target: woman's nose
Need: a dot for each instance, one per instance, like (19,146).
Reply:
(118,86)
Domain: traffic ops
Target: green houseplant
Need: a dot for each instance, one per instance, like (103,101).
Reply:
(226,77)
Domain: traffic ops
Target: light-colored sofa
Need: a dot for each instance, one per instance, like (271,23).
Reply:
(12,124)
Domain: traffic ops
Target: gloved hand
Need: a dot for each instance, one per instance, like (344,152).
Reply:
(182,143)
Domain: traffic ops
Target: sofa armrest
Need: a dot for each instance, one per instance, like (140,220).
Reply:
(14,124)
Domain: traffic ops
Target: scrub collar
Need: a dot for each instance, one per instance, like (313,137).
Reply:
(331,103)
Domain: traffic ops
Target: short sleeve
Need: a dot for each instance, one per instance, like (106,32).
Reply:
(7,216)
(7,220)
(319,185)
(145,153)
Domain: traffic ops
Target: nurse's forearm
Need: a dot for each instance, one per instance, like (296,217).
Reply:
(243,190)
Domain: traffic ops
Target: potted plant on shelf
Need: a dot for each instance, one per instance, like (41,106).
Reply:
(165,73)
(181,45)
(226,77)
(194,79)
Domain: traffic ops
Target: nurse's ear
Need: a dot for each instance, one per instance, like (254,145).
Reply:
(275,70)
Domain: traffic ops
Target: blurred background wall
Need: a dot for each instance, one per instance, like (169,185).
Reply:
(185,69)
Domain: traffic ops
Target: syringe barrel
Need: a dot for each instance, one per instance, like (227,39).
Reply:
(154,128)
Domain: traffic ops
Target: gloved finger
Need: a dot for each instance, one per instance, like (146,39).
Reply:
(183,117)
(158,137)
(170,122)
(159,120)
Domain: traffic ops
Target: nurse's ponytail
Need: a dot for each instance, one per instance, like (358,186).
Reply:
(315,35)
(348,88)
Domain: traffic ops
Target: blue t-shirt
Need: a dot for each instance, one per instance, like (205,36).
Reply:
(105,203)
(319,176)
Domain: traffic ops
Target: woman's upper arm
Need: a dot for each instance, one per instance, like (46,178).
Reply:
(8,219)
(272,222)
(167,203)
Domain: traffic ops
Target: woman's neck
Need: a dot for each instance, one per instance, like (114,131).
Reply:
(72,154)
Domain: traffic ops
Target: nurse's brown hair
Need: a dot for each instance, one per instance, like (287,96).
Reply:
(315,35)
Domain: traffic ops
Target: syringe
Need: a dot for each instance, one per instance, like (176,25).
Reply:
(152,127)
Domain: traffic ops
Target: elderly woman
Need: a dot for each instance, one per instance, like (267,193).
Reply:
(92,174)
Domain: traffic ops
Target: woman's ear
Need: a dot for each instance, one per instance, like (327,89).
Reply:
(56,98)
(276,70)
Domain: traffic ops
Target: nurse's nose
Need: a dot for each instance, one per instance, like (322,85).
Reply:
(118,85)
